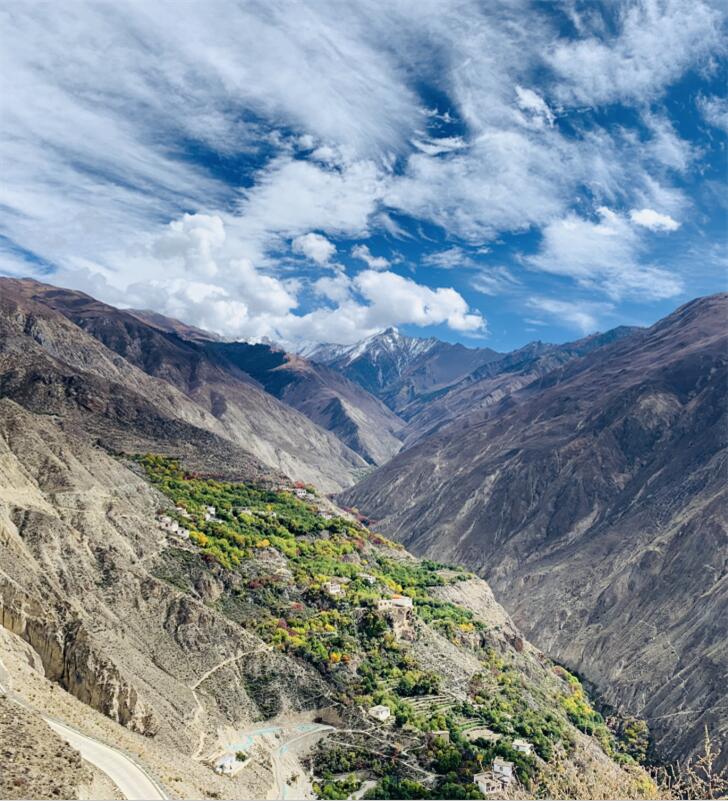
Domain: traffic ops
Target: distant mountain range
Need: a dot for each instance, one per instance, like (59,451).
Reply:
(585,481)
(401,369)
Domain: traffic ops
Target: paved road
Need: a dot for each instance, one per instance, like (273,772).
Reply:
(130,778)
(133,782)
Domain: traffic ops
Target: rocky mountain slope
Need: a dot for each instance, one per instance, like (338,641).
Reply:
(227,378)
(594,501)
(64,353)
(495,380)
(401,369)
(359,419)
(179,648)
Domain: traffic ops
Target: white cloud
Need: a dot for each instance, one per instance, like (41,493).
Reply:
(535,106)
(336,288)
(315,247)
(495,281)
(715,111)
(655,43)
(195,239)
(443,144)
(581,315)
(363,253)
(603,254)
(450,259)
(393,297)
(649,218)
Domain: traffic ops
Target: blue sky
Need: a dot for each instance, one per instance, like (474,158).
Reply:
(490,173)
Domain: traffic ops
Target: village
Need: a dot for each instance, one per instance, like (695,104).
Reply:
(343,599)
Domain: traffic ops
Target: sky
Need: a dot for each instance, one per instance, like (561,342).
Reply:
(486,172)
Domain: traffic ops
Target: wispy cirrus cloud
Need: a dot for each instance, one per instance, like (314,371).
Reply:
(581,315)
(142,145)
(603,253)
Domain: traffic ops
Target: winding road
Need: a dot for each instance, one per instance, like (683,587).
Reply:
(134,783)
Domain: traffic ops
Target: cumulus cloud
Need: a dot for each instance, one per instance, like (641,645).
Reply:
(242,301)
(649,218)
(363,253)
(393,296)
(336,288)
(315,247)
(602,254)
(194,240)
(581,315)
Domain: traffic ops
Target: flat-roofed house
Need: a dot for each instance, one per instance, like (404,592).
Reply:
(487,783)
(523,747)
(503,770)
(380,713)
(400,612)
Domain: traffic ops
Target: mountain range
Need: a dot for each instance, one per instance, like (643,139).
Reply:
(585,482)
(590,492)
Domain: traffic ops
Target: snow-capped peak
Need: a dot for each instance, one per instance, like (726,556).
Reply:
(390,343)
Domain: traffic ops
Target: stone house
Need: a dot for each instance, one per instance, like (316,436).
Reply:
(523,747)
(503,770)
(487,784)
(380,713)
(399,611)
(335,587)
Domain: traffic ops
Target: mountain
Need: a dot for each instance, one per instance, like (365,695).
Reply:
(267,628)
(223,377)
(356,417)
(495,380)
(171,326)
(593,500)
(220,396)
(400,369)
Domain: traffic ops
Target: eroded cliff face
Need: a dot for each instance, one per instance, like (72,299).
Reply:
(78,538)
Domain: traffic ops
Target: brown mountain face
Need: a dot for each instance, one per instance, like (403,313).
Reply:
(494,380)
(594,502)
(226,378)
(129,383)
(358,419)
(51,367)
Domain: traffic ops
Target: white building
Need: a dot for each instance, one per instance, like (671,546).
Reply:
(523,747)
(380,713)
(487,784)
(226,764)
(503,770)
(368,578)
(211,510)
(325,515)
(335,587)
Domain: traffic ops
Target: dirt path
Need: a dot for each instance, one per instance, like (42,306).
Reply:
(205,676)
